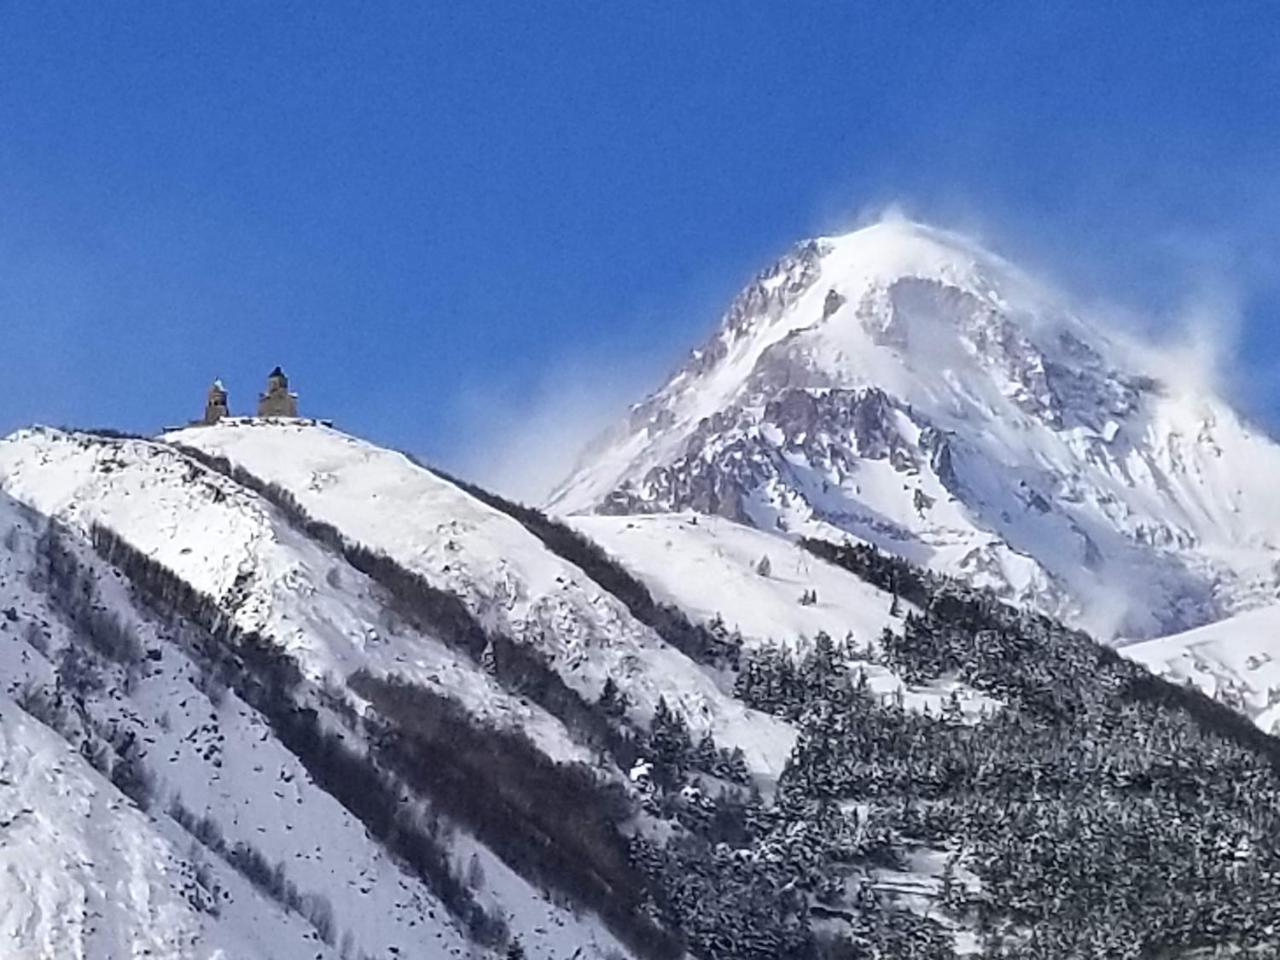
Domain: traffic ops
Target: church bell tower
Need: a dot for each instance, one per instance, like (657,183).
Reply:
(277,401)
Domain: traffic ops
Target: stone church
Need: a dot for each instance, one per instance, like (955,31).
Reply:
(278,401)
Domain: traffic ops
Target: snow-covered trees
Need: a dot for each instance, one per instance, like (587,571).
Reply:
(1050,818)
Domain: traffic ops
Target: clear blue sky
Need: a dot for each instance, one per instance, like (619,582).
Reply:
(448,219)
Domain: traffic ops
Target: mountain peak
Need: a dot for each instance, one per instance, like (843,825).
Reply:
(903,385)
(895,246)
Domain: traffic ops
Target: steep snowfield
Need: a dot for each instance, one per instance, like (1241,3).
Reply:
(904,386)
(228,543)
(213,755)
(205,746)
(506,576)
(1236,660)
(707,566)
(84,873)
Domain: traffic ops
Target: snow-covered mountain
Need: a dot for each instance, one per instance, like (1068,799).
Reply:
(270,690)
(1236,661)
(125,677)
(903,386)
(227,794)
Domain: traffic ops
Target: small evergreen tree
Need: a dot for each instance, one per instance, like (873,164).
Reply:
(612,700)
(670,745)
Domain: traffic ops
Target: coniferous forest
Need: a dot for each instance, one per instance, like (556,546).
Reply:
(1100,812)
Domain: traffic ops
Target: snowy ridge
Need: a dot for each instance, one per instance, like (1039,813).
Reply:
(224,792)
(281,583)
(504,574)
(901,385)
(205,747)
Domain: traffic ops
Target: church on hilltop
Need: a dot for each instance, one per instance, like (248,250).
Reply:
(215,407)
(276,402)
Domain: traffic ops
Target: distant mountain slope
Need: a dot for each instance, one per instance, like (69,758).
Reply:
(901,385)
(1235,661)
(709,566)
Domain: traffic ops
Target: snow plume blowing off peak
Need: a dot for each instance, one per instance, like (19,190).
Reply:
(902,385)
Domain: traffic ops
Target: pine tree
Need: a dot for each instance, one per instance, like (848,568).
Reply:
(705,755)
(670,744)
(612,700)
(952,712)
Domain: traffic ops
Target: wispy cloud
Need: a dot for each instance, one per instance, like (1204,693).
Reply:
(521,442)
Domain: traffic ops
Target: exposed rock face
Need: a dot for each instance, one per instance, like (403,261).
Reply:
(904,386)
(278,401)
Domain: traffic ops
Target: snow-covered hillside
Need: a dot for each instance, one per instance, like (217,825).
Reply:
(227,542)
(271,690)
(1236,661)
(267,689)
(901,385)
(219,782)
(709,566)
(507,576)
(84,873)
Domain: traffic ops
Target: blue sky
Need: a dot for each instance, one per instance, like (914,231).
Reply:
(473,229)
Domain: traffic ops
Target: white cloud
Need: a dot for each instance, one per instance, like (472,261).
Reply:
(521,443)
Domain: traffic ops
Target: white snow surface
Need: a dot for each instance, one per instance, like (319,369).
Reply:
(507,577)
(707,566)
(85,874)
(1236,660)
(902,385)
(219,757)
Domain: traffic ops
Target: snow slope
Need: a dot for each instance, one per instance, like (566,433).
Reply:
(84,873)
(206,747)
(216,758)
(904,386)
(1236,660)
(229,543)
(506,575)
(707,566)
